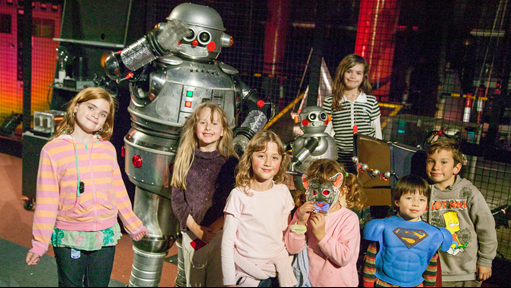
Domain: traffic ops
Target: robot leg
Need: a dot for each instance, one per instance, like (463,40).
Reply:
(181,277)
(156,213)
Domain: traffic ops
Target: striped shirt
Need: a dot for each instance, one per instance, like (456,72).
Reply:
(363,113)
(104,196)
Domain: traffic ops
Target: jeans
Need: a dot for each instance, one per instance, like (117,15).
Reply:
(90,269)
(270,282)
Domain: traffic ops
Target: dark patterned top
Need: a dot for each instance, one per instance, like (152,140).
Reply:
(209,182)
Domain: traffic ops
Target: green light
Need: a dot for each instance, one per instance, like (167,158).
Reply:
(189,93)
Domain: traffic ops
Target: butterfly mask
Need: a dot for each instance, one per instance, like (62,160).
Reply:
(324,196)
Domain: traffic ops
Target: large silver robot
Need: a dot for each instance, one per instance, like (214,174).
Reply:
(314,144)
(171,71)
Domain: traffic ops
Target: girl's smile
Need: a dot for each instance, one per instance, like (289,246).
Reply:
(265,165)
(208,130)
(353,78)
(91,115)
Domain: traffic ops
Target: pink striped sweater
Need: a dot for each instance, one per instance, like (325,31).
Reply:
(104,197)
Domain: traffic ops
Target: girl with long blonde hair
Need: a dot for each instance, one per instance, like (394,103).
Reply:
(202,177)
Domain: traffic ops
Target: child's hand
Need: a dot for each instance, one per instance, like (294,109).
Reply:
(203,233)
(305,211)
(217,225)
(139,236)
(483,273)
(318,225)
(207,234)
(32,258)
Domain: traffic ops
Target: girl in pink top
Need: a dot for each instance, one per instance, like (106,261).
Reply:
(326,227)
(256,215)
(80,193)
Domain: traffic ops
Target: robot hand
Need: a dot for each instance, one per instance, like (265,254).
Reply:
(172,32)
(158,42)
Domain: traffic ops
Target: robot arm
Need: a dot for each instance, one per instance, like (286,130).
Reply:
(301,156)
(158,42)
(260,110)
(253,101)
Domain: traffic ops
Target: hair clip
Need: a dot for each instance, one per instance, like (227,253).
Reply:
(347,173)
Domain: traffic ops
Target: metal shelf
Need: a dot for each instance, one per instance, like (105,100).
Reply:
(90,43)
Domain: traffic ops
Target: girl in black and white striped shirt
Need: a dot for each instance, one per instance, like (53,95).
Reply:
(352,107)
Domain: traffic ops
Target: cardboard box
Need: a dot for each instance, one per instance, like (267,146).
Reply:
(376,155)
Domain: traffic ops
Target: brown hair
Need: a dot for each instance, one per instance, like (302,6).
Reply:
(324,169)
(259,143)
(347,63)
(411,184)
(67,126)
(189,142)
(447,144)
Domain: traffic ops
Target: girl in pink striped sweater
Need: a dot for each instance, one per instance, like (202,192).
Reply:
(80,193)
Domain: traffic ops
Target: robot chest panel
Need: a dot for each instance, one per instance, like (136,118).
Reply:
(186,88)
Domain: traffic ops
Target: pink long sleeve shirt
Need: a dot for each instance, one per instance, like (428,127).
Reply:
(57,203)
(333,260)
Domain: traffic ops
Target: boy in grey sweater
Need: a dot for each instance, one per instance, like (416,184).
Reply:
(457,205)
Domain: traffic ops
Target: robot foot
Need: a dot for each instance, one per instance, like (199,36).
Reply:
(147,268)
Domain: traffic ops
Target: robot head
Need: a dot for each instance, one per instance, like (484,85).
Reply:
(206,37)
(314,119)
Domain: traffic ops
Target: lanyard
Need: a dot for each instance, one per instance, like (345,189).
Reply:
(81,185)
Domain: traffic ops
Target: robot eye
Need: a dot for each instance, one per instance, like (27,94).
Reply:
(312,116)
(204,37)
(190,36)
(326,192)
(323,116)
(314,192)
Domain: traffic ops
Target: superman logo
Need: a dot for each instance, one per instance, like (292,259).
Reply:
(410,237)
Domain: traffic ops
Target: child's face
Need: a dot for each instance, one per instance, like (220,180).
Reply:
(441,169)
(412,206)
(91,115)
(208,132)
(353,77)
(266,163)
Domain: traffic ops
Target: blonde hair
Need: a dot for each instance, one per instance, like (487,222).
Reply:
(189,142)
(67,126)
(324,169)
(347,63)
(259,143)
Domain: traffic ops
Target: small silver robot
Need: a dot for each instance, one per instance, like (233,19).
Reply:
(171,71)
(314,144)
